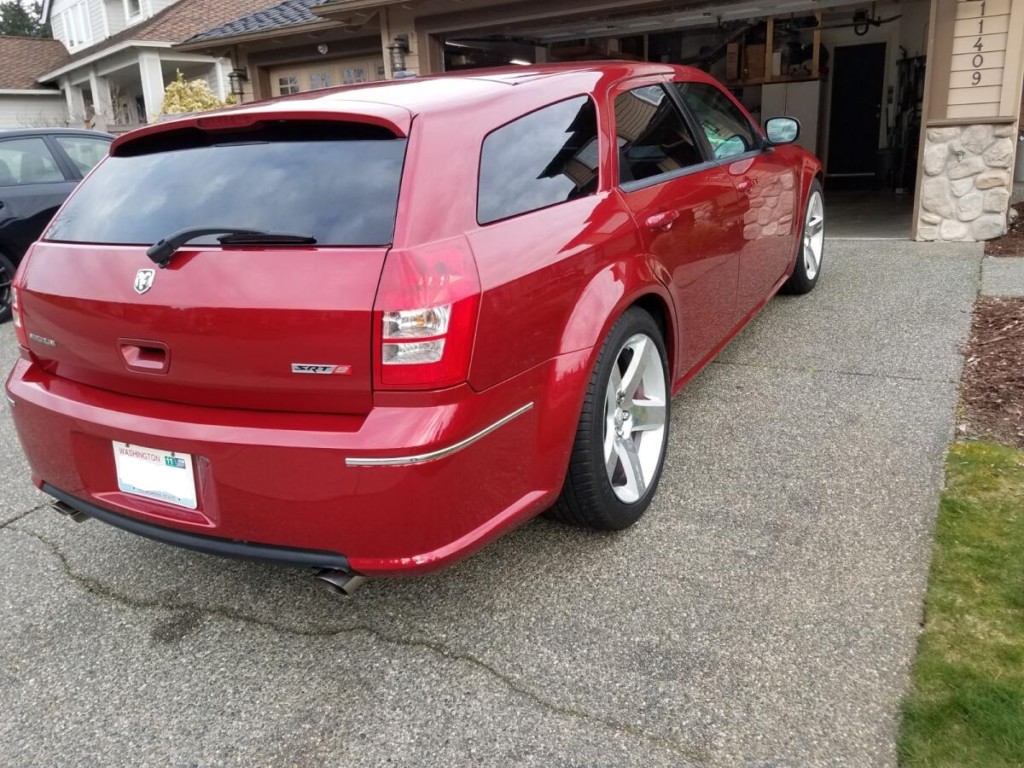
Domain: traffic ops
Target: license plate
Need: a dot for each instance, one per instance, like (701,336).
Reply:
(155,474)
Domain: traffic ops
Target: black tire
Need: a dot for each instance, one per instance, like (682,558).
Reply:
(801,281)
(7,270)
(588,498)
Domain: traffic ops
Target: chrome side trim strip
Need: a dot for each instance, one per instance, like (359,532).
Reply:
(440,453)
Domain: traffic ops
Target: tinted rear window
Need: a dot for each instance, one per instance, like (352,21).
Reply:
(338,184)
(546,157)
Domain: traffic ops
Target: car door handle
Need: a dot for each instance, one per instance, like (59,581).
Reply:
(662,221)
(746,185)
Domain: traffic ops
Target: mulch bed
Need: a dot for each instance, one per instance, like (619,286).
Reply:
(1012,243)
(992,386)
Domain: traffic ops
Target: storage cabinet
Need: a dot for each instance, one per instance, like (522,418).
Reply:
(801,100)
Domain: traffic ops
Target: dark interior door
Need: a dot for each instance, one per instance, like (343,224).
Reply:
(858,76)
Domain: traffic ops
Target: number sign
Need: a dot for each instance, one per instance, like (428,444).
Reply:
(980,39)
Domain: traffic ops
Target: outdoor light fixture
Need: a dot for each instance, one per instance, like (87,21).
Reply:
(397,49)
(238,78)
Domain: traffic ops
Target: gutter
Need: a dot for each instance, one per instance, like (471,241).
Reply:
(29,92)
(94,57)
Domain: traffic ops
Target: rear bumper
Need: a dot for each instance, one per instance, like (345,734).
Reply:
(206,544)
(417,483)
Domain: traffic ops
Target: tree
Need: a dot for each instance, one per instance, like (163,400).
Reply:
(16,20)
(184,96)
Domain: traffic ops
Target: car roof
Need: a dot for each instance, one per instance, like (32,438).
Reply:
(443,91)
(393,104)
(14,132)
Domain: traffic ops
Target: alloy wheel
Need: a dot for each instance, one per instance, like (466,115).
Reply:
(814,235)
(634,424)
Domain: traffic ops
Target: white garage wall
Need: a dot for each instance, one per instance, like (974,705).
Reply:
(20,111)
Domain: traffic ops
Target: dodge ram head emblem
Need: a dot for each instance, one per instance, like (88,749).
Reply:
(144,280)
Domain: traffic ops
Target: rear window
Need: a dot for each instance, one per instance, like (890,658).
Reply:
(337,182)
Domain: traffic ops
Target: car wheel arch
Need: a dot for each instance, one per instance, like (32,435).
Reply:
(607,295)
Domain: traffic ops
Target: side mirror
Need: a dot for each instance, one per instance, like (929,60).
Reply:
(782,130)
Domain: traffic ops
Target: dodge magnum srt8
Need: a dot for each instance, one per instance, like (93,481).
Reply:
(369,329)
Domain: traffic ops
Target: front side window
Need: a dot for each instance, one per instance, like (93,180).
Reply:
(652,136)
(727,129)
(337,182)
(84,151)
(543,158)
(27,161)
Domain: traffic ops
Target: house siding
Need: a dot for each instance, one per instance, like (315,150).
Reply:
(57,27)
(99,31)
(115,15)
(33,111)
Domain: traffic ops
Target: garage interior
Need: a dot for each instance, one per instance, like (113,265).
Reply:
(853,74)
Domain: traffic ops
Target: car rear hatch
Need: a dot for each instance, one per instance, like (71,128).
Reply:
(262,325)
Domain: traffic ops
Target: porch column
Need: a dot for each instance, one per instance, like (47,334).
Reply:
(100,88)
(75,101)
(152,78)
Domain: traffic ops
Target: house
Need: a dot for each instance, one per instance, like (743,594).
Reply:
(118,55)
(24,103)
(288,47)
(913,105)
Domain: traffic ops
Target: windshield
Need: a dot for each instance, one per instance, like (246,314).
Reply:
(340,187)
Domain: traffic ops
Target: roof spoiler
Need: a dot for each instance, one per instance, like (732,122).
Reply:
(396,120)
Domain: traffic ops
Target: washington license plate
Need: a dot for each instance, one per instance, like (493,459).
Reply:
(156,474)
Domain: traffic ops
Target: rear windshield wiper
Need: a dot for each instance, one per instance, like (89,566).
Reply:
(163,251)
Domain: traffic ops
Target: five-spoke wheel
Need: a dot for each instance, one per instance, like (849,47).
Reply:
(620,442)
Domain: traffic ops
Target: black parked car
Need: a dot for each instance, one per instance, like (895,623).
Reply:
(38,169)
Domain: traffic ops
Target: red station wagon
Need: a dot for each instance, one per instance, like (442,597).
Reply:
(369,329)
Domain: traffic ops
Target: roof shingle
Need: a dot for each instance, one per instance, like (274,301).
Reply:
(23,59)
(284,14)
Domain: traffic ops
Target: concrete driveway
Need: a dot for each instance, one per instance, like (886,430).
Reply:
(764,613)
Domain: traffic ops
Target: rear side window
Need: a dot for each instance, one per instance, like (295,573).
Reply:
(337,182)
(727,129)
(27,161)
(653,138)
(84,151)
(546,157)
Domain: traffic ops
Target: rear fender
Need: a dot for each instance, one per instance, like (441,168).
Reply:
(610,292)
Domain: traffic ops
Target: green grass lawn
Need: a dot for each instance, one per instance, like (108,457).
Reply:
(966,706)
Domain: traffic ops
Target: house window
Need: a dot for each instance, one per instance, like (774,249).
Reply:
(132,8)
(288,84)
(319,80)
(355,75)
(77,29)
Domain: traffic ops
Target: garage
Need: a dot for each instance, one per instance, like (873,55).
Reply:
(324,74)
(854,75)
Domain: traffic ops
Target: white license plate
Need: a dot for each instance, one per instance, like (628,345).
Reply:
(156,474)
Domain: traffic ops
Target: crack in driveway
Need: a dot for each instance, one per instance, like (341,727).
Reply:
(24,514)
(105,592)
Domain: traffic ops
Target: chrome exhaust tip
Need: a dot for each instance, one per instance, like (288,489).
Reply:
(68,511)
(339,582)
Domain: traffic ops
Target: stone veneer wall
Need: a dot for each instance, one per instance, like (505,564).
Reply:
(965,192)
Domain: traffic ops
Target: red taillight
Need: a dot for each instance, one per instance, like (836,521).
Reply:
(425,316)
(19,318)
